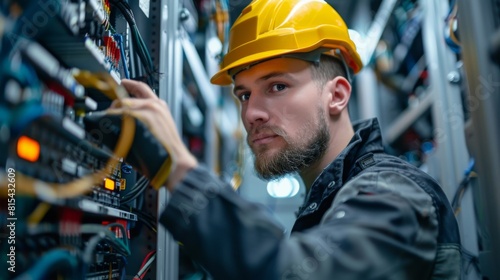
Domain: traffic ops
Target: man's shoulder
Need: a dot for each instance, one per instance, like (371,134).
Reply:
(388,173)
(386,162)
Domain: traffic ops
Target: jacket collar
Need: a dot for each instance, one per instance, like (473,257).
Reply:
(366,141)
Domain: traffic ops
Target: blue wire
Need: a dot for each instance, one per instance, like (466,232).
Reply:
(452,45)
(123,268)
(452,4)
(119,39)
(49,260)
(470,167)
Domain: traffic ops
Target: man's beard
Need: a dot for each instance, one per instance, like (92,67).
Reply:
(295,156)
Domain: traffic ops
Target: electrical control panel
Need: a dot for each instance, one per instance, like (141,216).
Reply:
(75,183)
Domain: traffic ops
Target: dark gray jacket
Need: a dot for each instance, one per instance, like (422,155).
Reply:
(368,216)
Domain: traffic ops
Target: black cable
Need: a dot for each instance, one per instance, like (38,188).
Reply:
(139,188)
(148,223)
(133,189)
(455,202)
(137,41)
(131,196)
(146,216)
(143,52)
(495,46)
(127,12)
(136,185)
(147,219)
(140,48)
(462,187)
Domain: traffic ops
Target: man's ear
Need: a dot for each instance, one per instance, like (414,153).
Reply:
(339,90)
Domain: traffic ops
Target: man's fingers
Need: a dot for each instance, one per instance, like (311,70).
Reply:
(123,103)
(138,89)
(134,103)
(116,104)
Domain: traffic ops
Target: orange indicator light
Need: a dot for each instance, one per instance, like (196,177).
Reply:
(123,184)
(109,184)
(28,149)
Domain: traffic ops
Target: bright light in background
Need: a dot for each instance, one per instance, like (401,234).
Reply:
(285,187)
(360,43)
(214,46)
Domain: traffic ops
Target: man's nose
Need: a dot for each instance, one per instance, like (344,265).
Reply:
(256,111)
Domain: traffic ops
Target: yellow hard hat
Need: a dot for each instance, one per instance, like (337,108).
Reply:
(271,28)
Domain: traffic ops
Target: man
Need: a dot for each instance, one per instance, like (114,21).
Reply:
(367,215)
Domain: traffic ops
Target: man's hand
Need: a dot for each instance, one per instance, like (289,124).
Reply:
(155,114)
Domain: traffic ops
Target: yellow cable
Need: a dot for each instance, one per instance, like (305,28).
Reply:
(51,191)
(221,18)
(452,33)
(162,175)
(102,82)
(451,21)
(164,172)
(105,84)
(37,215)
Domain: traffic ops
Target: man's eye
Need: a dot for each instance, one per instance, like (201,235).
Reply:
(278,87)
(244,97)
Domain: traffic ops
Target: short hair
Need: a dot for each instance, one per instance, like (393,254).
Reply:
(328,68)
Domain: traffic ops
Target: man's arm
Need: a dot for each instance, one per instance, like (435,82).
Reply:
(379,235)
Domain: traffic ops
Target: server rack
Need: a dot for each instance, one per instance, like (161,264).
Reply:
(76,206)
(62,61)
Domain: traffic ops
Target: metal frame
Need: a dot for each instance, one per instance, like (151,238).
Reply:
(377,28)
(477,24)
(177,42)
(448,116)
(208,94)
(170,90)
(408,117)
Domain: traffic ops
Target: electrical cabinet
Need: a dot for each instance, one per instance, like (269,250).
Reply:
(75,183)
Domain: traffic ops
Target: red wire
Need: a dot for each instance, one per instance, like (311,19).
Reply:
(144,274)
(148,256)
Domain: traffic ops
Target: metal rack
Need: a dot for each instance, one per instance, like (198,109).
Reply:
(443,99)
(478,21)
(171,91)
(179,49)
(448,117)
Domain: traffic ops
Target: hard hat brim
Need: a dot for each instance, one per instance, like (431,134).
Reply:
(223,78)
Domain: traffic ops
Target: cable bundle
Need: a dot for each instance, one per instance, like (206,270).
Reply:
(451,29)
(137,41)
(138,188)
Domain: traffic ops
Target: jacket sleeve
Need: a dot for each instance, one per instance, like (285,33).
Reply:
(371,231)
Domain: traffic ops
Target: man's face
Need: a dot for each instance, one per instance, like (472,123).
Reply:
(283,114)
